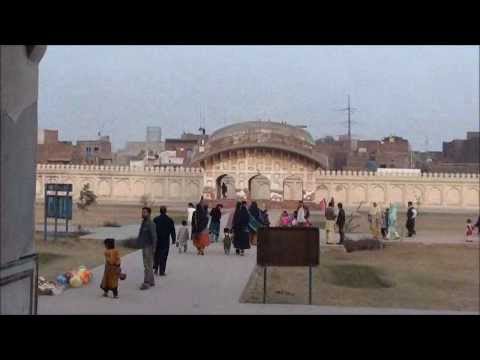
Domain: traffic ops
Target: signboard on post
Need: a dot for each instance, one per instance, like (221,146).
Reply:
(288,246)
(58,204)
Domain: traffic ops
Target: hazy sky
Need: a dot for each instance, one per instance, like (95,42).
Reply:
(409,91)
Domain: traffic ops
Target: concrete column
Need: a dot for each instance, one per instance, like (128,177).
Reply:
(18,139)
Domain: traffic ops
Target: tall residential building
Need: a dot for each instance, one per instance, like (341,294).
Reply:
(154,134)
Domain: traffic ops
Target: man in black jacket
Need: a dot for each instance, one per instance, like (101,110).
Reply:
(411,216)
(165,229)
(341,222)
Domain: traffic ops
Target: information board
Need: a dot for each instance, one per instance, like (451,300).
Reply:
(292,246)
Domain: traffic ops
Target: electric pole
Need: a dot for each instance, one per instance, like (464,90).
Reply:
(349,111)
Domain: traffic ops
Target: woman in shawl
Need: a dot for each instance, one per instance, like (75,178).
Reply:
(392,222)
(232,222)
(374,218)
(241,229)
(215,217)
(255,222)
(200,228)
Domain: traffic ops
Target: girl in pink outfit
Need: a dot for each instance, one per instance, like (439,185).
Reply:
(285,219)
(469,231)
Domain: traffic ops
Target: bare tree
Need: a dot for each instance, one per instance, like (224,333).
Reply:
(350,226)
(147,201)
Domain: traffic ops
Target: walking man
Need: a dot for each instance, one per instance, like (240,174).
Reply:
(411,216)
(147,241)
(165,229)
(330,221)
(341,222)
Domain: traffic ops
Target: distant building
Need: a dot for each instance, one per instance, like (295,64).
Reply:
(95,152)
(390,152)
(463,151)
(154,135)
(52,151)
(183,148)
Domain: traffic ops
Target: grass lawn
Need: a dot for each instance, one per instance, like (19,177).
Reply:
(68,253)
(416,276)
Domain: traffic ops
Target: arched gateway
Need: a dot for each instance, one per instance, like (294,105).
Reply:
(226,187)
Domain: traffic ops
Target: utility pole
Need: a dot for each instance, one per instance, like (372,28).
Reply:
(349,121)
(349,111)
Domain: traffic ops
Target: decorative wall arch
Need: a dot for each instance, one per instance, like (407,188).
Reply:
(322,192)
(339,193)
(453,196)
(104,188)
(229,182)
(395,194)
(434,196)
(472,197)
(139,188)
(358,194)
(293,188)
(377,194)
(121,188)
(259,187)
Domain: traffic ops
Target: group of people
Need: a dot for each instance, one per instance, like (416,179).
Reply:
(244,225)
(300,217)
(383,222)
(155,234)
(154,240)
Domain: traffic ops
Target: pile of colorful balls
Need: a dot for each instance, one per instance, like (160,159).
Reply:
(75,279)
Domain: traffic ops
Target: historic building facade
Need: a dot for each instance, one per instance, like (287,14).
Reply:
(260,160)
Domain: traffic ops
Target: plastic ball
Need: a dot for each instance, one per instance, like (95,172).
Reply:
(75,282)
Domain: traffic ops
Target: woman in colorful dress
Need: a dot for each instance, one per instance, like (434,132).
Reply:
(200,228)
(392,222)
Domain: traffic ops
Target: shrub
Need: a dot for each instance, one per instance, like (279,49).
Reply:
(111,224)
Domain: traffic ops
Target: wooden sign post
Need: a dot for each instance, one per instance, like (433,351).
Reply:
(288,246)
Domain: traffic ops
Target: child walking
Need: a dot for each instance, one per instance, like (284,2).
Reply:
(182,237)
(469,231)
(227,240)
(112,269)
